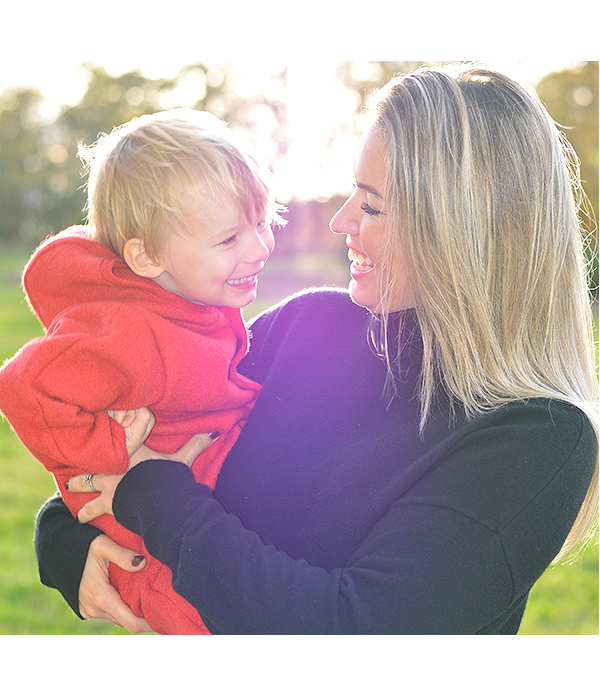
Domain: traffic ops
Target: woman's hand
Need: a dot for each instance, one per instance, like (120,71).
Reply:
(187,454)
(106,484)
(97,598)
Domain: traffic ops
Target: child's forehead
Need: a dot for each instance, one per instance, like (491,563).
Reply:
(202,203)
(207,204)
(222,215)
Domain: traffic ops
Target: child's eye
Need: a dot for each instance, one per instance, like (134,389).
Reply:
(229,241)
(369,210)
(263,224)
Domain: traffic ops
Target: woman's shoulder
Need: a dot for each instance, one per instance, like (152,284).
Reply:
(525,447)
(313,299)
(516,445)
(546,417)
(523,461)
(550,430)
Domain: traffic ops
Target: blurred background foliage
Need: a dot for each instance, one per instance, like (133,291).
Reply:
(41,184)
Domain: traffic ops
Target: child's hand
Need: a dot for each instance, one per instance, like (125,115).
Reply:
(137,424)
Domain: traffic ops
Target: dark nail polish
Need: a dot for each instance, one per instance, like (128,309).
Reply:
(137,560)
(67,486)
(213,435)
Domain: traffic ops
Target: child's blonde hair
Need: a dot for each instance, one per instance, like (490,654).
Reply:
(140,172)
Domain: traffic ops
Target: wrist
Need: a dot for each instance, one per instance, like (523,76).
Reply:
(150,492)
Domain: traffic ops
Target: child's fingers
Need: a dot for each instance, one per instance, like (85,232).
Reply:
(138,430)
(142,422)
(123,417)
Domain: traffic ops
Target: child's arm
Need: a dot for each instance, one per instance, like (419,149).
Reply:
(56,390)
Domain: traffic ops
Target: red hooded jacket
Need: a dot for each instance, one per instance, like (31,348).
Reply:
(115,340)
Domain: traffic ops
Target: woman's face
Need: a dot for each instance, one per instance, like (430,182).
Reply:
(363,219)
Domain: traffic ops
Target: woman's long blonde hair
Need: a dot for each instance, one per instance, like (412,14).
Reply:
(483,204)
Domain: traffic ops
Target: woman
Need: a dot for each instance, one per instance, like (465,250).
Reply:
(421,452)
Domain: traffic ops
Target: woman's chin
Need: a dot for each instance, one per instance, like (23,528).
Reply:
(365,297)
(369,297)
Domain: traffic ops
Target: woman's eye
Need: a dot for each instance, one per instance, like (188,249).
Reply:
(369,210)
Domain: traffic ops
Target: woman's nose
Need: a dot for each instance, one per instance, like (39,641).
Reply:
(341,223)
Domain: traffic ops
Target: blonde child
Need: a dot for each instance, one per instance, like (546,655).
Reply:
(143,308)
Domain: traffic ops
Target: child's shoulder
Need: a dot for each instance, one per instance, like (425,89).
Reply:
(65,270)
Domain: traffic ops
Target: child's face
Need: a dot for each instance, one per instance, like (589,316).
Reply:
(218,263)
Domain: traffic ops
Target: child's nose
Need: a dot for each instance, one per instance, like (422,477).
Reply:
(262,246)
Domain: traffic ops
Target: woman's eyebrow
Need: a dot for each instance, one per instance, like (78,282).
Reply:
(370,189)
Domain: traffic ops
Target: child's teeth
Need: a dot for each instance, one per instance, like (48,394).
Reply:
(239,281)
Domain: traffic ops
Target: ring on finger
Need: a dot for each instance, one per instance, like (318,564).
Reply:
(87,479)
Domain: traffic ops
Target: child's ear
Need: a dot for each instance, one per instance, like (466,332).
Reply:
(138,260)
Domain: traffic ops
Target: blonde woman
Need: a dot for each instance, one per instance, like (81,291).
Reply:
(424,446)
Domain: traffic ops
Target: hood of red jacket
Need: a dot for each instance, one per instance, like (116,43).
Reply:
(71,269)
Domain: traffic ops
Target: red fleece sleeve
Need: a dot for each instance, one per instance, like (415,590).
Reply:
(55,391)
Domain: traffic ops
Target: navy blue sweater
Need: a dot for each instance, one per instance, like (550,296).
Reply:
(332,515)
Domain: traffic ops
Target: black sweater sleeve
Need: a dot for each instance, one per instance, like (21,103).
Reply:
(419,581)
(62,545)
(437,562)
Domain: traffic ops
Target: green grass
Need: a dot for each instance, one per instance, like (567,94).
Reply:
(564,601)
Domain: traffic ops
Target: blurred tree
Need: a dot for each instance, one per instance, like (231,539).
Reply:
(41,185)
(24,200)
(571,97)
(364,77)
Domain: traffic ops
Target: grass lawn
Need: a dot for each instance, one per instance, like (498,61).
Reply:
(564,601)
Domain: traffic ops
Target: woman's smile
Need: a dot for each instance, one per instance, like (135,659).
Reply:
(360,262)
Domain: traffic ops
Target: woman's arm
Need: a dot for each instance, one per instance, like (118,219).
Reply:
(408,577)
(74,559)
(62,546)
(457,552)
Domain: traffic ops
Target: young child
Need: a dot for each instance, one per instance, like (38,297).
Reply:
(142,308)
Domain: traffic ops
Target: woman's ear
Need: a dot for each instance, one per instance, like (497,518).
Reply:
(138,260)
